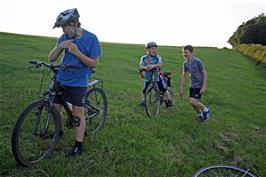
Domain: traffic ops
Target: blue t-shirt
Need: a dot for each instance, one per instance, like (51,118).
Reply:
(90,46)
(148,60)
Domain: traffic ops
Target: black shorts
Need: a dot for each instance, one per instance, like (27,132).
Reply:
(194,93)
(73,95)
(161,86)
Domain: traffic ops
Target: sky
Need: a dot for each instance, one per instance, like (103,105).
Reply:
(167,22)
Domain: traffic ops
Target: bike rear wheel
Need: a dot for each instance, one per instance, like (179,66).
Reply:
(35,133)
(95,109)
(152,101)
(223,171)
(170,93)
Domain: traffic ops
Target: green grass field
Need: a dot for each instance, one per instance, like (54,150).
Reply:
(131,144)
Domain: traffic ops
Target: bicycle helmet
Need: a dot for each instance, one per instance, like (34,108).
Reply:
(66,17)
(150,44)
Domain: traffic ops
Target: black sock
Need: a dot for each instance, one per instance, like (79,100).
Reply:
(78,144)
(61,133)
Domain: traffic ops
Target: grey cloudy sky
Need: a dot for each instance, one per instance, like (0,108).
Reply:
(168,22)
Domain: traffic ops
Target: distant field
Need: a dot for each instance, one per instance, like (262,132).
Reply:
(131,144)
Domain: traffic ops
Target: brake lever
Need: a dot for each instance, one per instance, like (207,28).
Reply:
(38,66)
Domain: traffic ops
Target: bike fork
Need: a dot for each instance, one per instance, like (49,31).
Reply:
(37,120)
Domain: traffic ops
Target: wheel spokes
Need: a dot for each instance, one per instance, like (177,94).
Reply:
(95,109)
(152,100)
(34,139)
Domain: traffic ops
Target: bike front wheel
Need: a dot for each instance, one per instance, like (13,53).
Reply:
(35,133)
(95,109)
(152,101)
(170,93)
(223,171)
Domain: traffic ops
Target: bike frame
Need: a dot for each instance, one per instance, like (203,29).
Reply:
(92,85)
(49,95)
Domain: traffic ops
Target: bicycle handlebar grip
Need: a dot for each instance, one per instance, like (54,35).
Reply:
(33,62)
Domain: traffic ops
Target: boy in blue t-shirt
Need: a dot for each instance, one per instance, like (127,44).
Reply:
(82,49)
(147,64)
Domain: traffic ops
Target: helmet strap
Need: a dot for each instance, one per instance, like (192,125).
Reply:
(75,31)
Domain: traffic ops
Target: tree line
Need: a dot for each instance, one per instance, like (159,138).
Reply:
(250,38)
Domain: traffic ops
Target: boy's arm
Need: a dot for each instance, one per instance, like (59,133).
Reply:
(205,77)
(143,68)
(182,82)
(55,53)
(204,85)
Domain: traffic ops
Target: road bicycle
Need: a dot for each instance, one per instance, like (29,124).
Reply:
(223,171)
(39,126)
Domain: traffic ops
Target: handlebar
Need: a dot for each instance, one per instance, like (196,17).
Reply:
(155,69)
(40,64)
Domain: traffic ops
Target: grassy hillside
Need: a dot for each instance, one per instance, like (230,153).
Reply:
(131,144)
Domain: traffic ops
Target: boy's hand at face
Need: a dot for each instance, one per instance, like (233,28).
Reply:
(65,44)
(73,48)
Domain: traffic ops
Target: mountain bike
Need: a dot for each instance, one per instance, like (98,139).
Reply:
(223,171)
(37,129)
(153,96)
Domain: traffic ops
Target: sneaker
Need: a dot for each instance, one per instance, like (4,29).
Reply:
(206,114)
(76,151)
(61,133)
(142,103)
(199,117)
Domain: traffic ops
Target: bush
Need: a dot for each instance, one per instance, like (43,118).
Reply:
(256,51)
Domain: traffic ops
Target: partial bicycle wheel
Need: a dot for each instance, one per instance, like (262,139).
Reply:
(35,133)
(95,109)
(223,171)
(152,101)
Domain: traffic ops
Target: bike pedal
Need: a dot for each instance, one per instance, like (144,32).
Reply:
(45,135)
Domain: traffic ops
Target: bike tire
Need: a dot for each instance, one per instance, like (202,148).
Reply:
(152,101)
(33,137)
(171,93)
(95,98)
(223,171)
